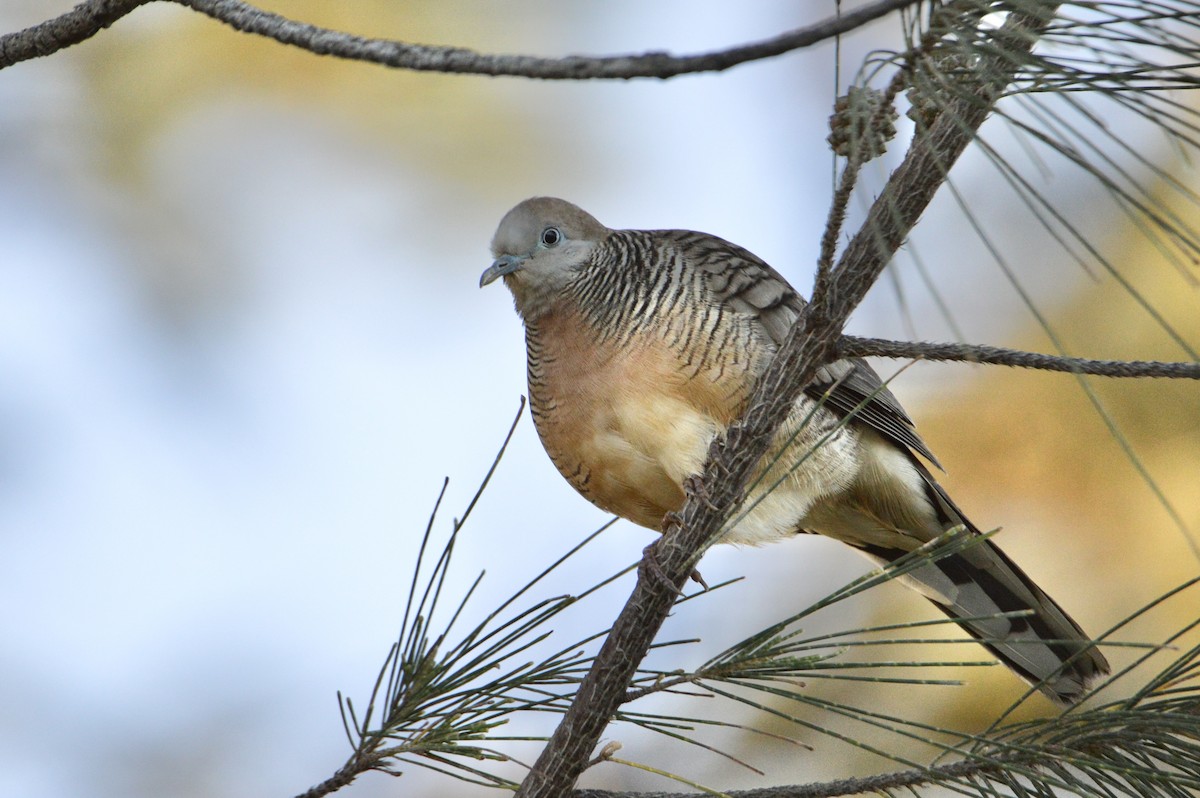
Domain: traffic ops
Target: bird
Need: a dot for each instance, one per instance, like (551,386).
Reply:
(643,346)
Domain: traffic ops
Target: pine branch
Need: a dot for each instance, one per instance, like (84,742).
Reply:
(1148,745)
(811,342)
(852,346)
(443,706)
(89,18)
(429,705)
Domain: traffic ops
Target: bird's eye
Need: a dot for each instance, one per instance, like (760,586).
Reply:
(551,236)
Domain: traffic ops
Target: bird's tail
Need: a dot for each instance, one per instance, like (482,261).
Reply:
(1043,645)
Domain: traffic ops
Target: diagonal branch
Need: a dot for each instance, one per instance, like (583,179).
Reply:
(731,462)
(89,18)
(852,346)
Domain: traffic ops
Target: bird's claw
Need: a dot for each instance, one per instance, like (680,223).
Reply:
(696,486)
(650,566)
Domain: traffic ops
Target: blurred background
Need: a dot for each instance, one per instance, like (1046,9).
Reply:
(241,344)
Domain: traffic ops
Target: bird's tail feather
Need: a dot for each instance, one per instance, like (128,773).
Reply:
(1037,640)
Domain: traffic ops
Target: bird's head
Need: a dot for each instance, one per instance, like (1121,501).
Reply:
(539,247)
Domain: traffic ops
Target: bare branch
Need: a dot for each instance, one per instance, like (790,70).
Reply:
(732,460)
(851,346)
(89,18)
(79,24)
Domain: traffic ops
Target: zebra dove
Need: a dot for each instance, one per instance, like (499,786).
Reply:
(644,345)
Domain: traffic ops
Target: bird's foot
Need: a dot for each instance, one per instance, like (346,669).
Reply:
(651,567)
(696,486)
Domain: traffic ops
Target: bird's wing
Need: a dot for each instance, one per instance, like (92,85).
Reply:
(745,283)
(852,387)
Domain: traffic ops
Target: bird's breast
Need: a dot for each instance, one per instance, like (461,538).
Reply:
(627,418)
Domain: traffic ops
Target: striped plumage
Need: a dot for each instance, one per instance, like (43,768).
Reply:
(645,345)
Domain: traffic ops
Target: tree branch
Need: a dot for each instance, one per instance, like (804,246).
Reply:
(79,24)
(811,342)
(89,18)
(852,346)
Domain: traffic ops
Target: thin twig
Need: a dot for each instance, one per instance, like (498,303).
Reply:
(833,223)
(849,178)
(89,18)
(833,789)
(852,346)
(357,765)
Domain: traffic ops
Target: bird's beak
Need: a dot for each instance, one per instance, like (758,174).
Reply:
(505,264)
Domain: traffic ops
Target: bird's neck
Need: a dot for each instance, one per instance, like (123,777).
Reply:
(535,299)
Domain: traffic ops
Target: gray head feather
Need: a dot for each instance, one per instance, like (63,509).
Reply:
(540,245)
